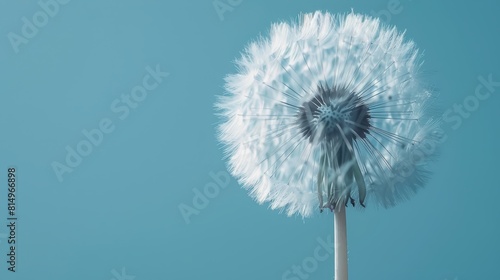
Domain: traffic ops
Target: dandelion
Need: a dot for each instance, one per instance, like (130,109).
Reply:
(325,113)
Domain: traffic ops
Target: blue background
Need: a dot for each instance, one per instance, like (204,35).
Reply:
(120,207)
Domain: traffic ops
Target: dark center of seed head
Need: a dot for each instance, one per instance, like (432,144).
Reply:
(331,112)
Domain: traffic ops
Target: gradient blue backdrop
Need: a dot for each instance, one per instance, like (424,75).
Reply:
(119,207)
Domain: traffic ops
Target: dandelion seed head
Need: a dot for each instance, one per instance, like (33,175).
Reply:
(325,111)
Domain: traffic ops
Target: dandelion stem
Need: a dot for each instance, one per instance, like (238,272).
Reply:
(340,232)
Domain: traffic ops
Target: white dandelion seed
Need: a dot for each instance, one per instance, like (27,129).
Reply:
(325,112)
